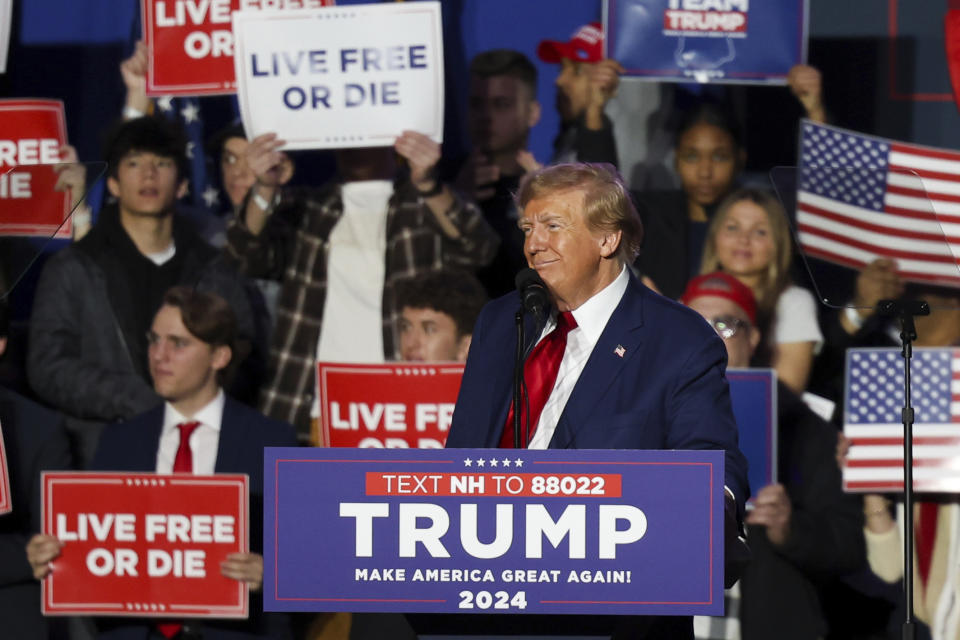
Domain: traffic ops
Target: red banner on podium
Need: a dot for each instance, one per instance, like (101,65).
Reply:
(396,405)
(145,544)
(31,134)
(6,503)
(190,43)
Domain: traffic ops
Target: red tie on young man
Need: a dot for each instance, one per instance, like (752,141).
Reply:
(182,463)
(540,373)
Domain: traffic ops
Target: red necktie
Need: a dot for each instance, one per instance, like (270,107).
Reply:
(540,372)
(182,463)
(925,530)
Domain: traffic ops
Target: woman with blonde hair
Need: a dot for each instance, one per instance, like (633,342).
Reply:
(749,238)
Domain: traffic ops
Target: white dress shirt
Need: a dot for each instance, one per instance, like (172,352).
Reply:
(591,317)
(203,441)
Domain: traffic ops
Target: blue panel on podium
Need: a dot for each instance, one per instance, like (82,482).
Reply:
(753,394)
(494,531)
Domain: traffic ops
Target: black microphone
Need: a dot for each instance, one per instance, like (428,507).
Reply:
(533,292)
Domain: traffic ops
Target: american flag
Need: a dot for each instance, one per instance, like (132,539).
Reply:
(861,197)
(872,420)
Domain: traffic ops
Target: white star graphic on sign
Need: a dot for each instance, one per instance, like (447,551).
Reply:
(190,146)
(165,103)
(190,112)
(518,462)
(467,462)
(480,462)
(210,196)
(506,462)
(493,462)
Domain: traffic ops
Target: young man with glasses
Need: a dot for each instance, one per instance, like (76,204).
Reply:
(197,429)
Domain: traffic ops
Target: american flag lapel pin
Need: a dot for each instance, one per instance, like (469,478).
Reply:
(620,351)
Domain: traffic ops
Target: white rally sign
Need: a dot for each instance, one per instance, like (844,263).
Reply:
(354,76)
(6,13)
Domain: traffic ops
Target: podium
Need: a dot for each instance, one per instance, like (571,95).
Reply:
(555,542)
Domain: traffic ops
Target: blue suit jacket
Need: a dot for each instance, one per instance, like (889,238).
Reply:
(132,446)
(667,391)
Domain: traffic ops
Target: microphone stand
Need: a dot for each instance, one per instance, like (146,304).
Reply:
(518,363)
(519,383)
(905,311)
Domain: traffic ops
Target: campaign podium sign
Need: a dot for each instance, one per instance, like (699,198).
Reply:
(732,41)
(31,134)
(190,43)
(405,405)
(753,394)
(494,531)
(145,544)
(341,77)
(6,502)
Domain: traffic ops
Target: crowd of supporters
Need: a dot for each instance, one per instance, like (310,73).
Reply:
(392,258)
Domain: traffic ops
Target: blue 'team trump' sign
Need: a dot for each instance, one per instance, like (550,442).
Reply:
(735,41)
(494,531)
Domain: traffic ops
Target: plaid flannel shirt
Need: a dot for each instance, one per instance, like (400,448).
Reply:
(294,247)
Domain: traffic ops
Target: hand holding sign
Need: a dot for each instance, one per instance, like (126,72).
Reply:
(71,175)
(42,550)
(422,155)
(806,84)
(244,567)
(604,80)
(271,166)
(772,509)
(133,70)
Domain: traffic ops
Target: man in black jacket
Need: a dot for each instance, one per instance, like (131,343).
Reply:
(804,532)
(34,441)
(96,299)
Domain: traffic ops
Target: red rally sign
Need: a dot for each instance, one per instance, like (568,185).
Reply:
(6,504)
(396,405)
(191,43)
(145,545)
(31,134)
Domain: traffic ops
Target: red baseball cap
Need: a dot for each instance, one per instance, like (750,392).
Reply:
(722,285)
(586,45)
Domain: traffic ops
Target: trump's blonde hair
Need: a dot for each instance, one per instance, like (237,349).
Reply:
(607,207)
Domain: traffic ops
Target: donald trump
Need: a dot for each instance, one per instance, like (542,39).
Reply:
(616,366)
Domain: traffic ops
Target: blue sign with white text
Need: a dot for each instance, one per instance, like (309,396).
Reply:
(734,41)
(494,531)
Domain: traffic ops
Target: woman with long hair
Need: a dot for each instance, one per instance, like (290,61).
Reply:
(749,238)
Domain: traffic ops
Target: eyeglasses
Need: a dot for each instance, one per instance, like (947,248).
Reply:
(728,326)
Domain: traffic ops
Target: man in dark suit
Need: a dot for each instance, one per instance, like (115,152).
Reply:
(630,369)
(34,440)
(200,430)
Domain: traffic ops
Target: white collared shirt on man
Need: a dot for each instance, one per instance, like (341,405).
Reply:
(592,317)
(204,440)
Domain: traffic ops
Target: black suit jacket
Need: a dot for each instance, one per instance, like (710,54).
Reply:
(664,255)
(35,440)
(132,446)
(782,589)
